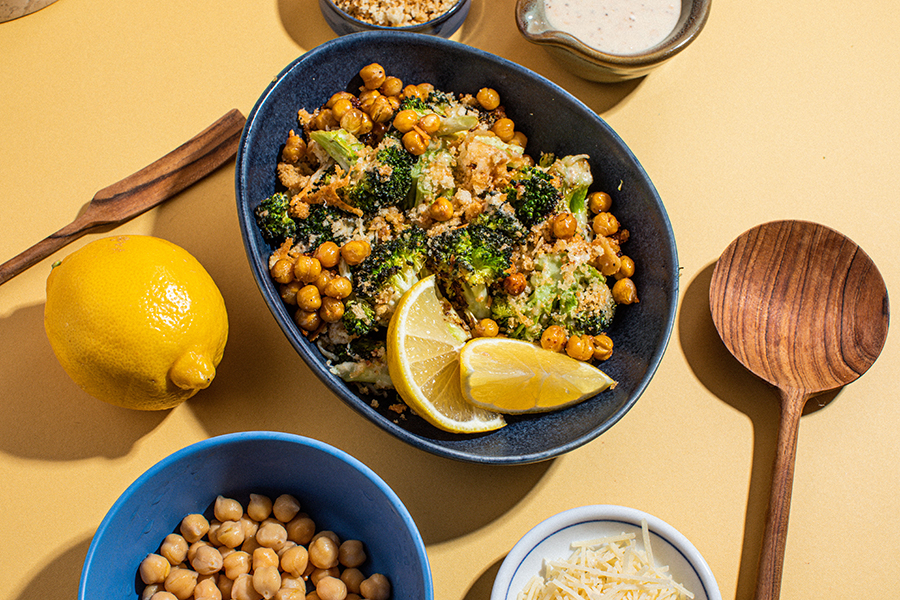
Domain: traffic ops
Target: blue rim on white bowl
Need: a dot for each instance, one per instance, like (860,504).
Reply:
(551,539)
(133,526)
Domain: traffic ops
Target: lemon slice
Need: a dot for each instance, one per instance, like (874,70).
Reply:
(423,361)
(513,376)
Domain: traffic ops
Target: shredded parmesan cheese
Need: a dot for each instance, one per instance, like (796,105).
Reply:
(609,568)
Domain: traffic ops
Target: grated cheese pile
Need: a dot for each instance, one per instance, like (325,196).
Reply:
(609,568)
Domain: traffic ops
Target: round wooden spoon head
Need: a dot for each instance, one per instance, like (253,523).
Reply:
(799,305)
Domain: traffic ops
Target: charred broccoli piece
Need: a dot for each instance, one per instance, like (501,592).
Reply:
(393,267)
(388,181)
(273,220)
(359,317)
(533,195)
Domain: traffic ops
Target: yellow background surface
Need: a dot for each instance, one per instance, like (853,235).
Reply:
(779,110)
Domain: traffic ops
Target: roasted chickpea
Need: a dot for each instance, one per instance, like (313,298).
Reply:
(353,121)
(624,291)
(392,86)
(307,321)
(293,149)
(603,346)
(309,298)
(338,96)
(605,223)
(323,279)
(283,270)
(355,251)
(373,76)
(504,128)
(486,328)
(514,284)
(328,254)
(563,226)
(424,90)
(381,110)
(339,287)
(430,123)
(580,347)
(441,210)
(488,98)
(554,338)
(411,91)
(405,120)
(288,292)
(324,119)
(332,310)
(626,267)
(306,269)
(599,202)
(414,143)
(341,108)
(520,139)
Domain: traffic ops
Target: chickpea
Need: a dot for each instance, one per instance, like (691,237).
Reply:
(414,143)
(519,139)
(286,593)
(282,271)
(332,310)
(341,108)
(322,280)
(227,509)
(242,588)
(488,98)
(354,121)
(306,269)
(318,574)
(514,284)
(624,291)
(609,263)
(381,110)
(373,76)
(626,267)
(580,347)
(441,210)
(266,581)
(294,583)
(207,560)
(193,527)
(260,507)
(213,534)
(411,91)
(338,96)
(605,223)
(293,149)
(163,596)
(307,321)
(392,86)
(231,534)
(301,530)
(153,588)
(331,588)
(236,563)
(323,552)
(351,553)
(405,120)
(328,254)
(599,202)
(250,544)
(603,347)
(192,551)
(265,557)
(309,298)
(271,534)
(355,251)
(329,534)
(339,287)
(207,588)
(154,569)
(376,587)
(286,506)
(367,98)
(554,338)
(324,119)
(563,226)
(225,585)
(504,128)
(352,577)
(483,328)
(430,123)
(425,89)
(181,582)
(174,548)
(288,292)
(295,561)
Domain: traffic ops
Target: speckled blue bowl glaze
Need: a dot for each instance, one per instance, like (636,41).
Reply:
(338,492)
(554,121)
(444,26)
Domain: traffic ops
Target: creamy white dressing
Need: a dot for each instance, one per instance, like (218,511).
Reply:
(615,26)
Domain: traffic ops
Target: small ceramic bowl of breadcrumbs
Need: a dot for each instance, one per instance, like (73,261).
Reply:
(434,17)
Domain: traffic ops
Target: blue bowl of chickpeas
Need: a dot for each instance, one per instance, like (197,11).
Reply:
(257,515)
(552,121)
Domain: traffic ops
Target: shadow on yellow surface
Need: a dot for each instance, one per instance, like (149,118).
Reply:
(60,577)
(481,587)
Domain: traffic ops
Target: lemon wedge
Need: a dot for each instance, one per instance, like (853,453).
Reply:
(513,376)
(423,360)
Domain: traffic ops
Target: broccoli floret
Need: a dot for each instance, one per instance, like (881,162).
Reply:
(390,270)
(467,261)
(502,222)
(533,195)
(339,144)
(359,317)
(573,296)
(274,222)
(388,181)
(361,361)
(439,101)
(413,103)
(319,227)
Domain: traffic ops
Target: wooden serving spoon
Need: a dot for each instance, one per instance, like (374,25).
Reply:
(805,309)
(141,191)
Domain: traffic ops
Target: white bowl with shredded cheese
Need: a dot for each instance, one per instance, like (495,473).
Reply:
(604,551)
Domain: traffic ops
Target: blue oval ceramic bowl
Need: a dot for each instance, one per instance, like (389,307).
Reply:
(339,493)
(554,121)
(444,25)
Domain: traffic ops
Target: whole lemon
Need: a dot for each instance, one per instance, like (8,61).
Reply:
(136,321)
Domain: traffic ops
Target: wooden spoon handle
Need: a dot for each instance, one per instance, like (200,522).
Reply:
(771,561)
(143,190)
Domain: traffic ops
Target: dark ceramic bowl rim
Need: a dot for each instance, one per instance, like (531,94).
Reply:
(208,444)
(409,28)
(677,41)
(311,354)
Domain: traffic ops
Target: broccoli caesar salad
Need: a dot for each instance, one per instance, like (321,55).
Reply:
(382,188)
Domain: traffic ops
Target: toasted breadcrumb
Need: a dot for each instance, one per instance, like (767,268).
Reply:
(396,13)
